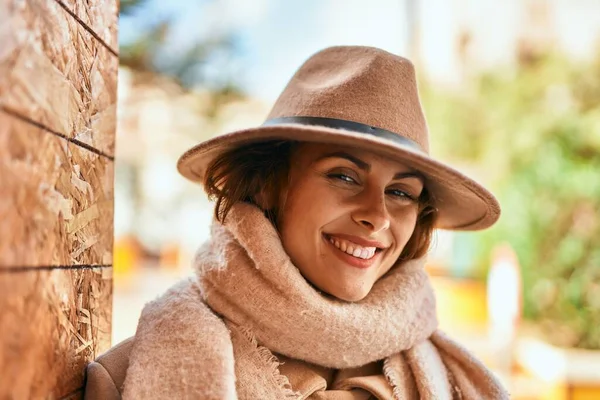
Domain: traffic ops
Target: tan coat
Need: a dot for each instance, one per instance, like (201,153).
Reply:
(106,375)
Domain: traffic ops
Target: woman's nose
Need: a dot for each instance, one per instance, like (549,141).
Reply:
(372,213)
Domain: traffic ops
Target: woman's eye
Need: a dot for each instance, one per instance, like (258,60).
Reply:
(342,177)
(400,194)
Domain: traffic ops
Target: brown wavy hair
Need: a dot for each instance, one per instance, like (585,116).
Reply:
(243,173)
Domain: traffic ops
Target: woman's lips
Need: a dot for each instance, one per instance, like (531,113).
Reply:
(358,240)
(349,259)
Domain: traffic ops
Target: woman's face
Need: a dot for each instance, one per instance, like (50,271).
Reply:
(347,216)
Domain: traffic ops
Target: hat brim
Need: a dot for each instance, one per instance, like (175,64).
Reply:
(462,203)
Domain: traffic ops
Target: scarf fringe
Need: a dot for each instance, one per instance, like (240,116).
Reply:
(388,372)
(271,363)
(457,393)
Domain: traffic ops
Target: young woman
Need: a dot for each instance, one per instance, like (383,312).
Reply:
(312,285)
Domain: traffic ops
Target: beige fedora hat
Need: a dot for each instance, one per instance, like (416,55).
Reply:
(367,98)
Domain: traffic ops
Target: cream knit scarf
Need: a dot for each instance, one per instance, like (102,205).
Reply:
(247,279)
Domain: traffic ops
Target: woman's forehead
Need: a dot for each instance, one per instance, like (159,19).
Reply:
(315,152)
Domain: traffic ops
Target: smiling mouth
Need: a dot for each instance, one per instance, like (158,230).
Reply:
(353,249)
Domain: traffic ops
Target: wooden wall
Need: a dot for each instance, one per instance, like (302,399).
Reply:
(58,77)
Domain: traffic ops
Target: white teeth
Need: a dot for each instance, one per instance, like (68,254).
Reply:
(354,249)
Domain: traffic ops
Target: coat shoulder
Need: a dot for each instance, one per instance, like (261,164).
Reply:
(178,339)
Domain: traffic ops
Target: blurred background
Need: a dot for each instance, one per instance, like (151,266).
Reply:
(511,91)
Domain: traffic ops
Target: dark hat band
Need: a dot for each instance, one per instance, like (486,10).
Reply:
(347,125)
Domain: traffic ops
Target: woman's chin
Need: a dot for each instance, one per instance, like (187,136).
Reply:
(350,294)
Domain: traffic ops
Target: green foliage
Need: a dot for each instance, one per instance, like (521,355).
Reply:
(151,50)
(129,7)
(535,133)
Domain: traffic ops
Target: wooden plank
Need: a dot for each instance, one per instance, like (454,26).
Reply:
(98,15)
(56,206)
(53,323)
(54,72)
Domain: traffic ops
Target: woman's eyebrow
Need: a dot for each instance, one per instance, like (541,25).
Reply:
(410,174)
(366,167)
(342,154)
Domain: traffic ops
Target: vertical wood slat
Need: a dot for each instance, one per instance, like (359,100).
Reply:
(99,17)
(53,323)
(56,73)
(57,202)
(57,129)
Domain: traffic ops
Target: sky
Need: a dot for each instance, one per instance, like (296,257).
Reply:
(274,37)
